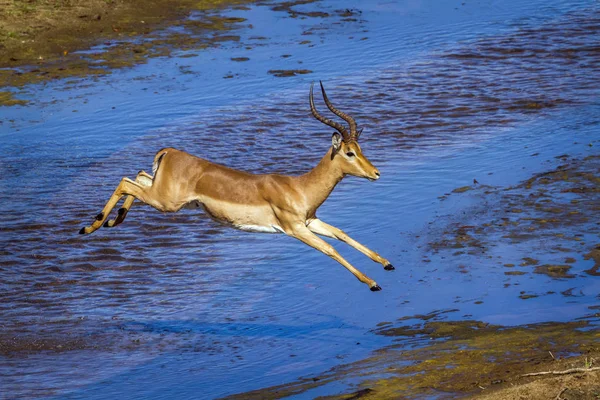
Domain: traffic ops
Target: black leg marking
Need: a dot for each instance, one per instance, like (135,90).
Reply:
(122,211)
(100,217)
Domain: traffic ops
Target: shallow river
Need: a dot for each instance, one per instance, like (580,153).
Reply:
(175,305)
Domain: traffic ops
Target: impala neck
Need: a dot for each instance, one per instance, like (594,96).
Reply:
(321,180)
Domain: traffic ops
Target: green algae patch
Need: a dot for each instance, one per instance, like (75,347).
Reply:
(529,261)
(594,254)
(449,359)
(527,296)
(515,273)
(7,99)
(283,73)
(462,189)
(554,271)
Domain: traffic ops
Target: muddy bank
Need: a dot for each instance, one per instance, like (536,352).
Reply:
(40,32)
(43,41)
(442,355)
(454,359)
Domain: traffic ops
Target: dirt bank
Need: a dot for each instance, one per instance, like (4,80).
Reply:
(41,40)
(443,359)
(35,32)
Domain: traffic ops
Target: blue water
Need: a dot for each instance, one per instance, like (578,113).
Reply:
(174,305)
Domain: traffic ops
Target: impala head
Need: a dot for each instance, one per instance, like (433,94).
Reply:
(346,151)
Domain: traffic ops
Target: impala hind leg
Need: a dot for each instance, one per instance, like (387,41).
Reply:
(321,228)
(126,187)
(305,235)
(143,178)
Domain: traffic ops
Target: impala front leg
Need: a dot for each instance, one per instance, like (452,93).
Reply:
(304,234)
(321,228)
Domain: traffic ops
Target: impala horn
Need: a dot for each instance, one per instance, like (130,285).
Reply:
(339,127)
(354,134)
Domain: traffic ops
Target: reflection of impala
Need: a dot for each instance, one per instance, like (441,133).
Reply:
(257,203)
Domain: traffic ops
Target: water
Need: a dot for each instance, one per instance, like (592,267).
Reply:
(173,305)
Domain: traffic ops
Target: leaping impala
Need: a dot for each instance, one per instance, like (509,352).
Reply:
(258,203)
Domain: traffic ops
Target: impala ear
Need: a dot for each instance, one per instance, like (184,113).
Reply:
(359,132)
(336,142)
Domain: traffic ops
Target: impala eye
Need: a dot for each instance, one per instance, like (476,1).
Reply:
(350,154)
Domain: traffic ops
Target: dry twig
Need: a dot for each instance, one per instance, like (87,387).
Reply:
(567,371)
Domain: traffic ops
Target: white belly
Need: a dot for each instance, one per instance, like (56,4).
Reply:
(259,228)
(243,217)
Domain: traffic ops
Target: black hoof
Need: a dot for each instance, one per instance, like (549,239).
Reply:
(375,288)
(389,267)
(100,217)
(82,231)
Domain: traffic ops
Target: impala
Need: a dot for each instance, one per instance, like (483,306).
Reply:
(258,203)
